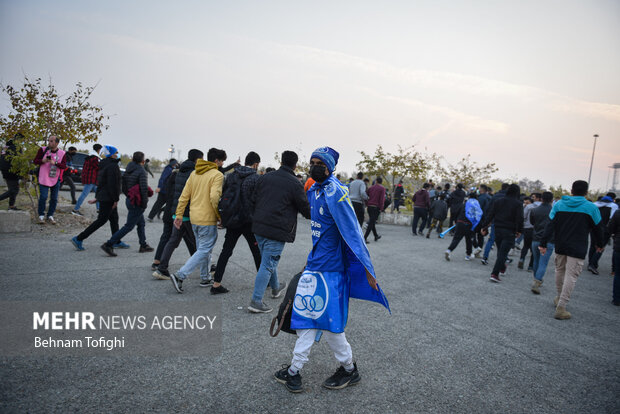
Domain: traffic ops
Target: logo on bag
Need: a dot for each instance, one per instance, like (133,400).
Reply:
(312,295)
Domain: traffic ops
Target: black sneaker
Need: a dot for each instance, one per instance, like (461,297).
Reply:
(218,290)
(146,249)
(213,267)
(108,249)
(342,378)
(377,238)
(77,213)
(178,283)
(292,382)
(206,283)
(593,270)
(484,261)
(154,266)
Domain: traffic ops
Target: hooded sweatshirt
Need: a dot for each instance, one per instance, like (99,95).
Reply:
(204,189)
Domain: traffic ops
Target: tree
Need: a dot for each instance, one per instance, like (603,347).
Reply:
(39,111)
(466,171)
(405,163)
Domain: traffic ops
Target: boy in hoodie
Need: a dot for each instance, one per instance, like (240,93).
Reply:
(573,218)
(506,214)
(439,213)
(161,189)
(468,217)
(203,189)
(248,177)
(607,208)
(134,181)
(539,218)
(90,169)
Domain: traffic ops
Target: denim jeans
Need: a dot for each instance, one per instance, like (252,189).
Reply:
(206,236)
(43,190)
(135,216)
(85,192)
(489,245)
(267,274)
(540,261)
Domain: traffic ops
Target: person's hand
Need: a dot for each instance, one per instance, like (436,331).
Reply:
(114,205)
(93,201)
(371,281)
(517,235)
(157,190)
(543,250)
(484,232)
(238,160)
(600,249)
(177,222)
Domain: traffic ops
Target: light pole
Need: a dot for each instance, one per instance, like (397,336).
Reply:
(592,160)
(171,151)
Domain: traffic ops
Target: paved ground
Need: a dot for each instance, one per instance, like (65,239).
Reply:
(454,343)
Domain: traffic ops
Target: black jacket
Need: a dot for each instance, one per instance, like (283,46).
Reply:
(613,229)
(439,210)
(136,174)
(169,194)
(506,213)
(108,181)
(539,217)
(278,197)
(457,197)
(250,179)
(5,163)
(179,183)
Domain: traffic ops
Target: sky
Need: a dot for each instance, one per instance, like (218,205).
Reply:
(525,84)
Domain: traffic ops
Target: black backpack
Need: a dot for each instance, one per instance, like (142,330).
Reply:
(283,318)
(230,205)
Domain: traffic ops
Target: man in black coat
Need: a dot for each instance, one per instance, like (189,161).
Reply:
(12,179)
(278,197)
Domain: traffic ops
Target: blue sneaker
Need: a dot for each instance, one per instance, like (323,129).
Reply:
(121,245)
(77,243)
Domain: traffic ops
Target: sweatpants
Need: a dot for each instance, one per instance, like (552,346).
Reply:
(567,270)
(462,230)
(336,341)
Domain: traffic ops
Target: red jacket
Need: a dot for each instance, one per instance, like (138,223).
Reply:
(422,199)
(376,196)
(90,170)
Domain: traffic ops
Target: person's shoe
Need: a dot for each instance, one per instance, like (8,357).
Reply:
(77,213)
(51,220)
(108,249)
(378,237)
(495,278)
(161,274)
(13,208)
(77,243)
(556,300)
(503,272)
(256,307)
(213,269)
(467,257)
(342,378)
(154,266)
(615,303)
(206,282)
(536,286)
(275,293)
(74,202)
(477,252)
(121,245)
(447,255)
(177,283)
(292,382)
(520,265)
(150,220)
(593,270)
(366,241)
(509,260)
(41,220)
(561,313)
(428,236)
(484,261)
(146,249)
(530,270)
(218,290)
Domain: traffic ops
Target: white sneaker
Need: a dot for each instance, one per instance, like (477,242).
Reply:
(477,252)
(468,258)
(41,219)
(447,255)
(51,220)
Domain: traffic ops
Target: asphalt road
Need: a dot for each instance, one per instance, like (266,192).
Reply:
(454,343)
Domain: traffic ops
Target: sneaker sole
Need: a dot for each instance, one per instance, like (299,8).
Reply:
(255,310)
(447,256)
(494,280)
(293,390)
(175,284)
(208,285)
(352,382)
(159,276)
(77,214)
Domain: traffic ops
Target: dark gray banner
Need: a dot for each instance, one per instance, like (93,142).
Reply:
(183,328)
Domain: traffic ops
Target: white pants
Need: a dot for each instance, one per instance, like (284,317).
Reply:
(336,341)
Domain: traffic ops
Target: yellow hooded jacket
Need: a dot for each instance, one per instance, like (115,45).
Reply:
(204,189)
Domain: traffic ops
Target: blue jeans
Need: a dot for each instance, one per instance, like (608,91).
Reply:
(267,274)
(487,248)
(540,262)
(43,192)
(206,236)
(85,192)
(135,217)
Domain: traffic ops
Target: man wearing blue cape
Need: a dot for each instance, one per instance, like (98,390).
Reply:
(338,268)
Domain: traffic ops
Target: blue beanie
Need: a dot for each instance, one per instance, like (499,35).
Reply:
(328,155)
(607,199)
(107,151)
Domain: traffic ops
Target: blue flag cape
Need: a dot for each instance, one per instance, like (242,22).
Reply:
(321,301)
(473,212)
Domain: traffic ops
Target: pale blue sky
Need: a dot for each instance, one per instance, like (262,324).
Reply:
(522,83)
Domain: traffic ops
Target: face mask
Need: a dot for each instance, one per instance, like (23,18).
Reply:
(318,173)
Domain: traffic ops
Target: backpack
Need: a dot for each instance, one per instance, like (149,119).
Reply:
(283,318)
(230,205)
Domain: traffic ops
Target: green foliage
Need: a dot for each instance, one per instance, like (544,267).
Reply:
(466,171)
(39,111)
(405,163)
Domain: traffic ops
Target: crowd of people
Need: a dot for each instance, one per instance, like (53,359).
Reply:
(198,195)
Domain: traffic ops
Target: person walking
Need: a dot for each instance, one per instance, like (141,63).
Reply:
(11,179)
(90,170)
(376,202)
(469,216)
(202,192)
(66,176)
(487,248)
(421,204)
(52,161)
(613,230)
(338,267)
(278,198)
(573,218)
(241,185)
(438,212)
(457,198)
(607,208)
(358,196)
(539,218)
(399,191)
(161,189)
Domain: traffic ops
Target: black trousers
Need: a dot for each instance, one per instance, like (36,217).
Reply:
(478,238)
(453,215)
(230,241)
(462,230)
(419,213)
(359,212)
(106,213)
(67,180)
(373,214)
(157,206)
(12,191)
(165,236)
(528,237)
(505,240)
(185,233)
